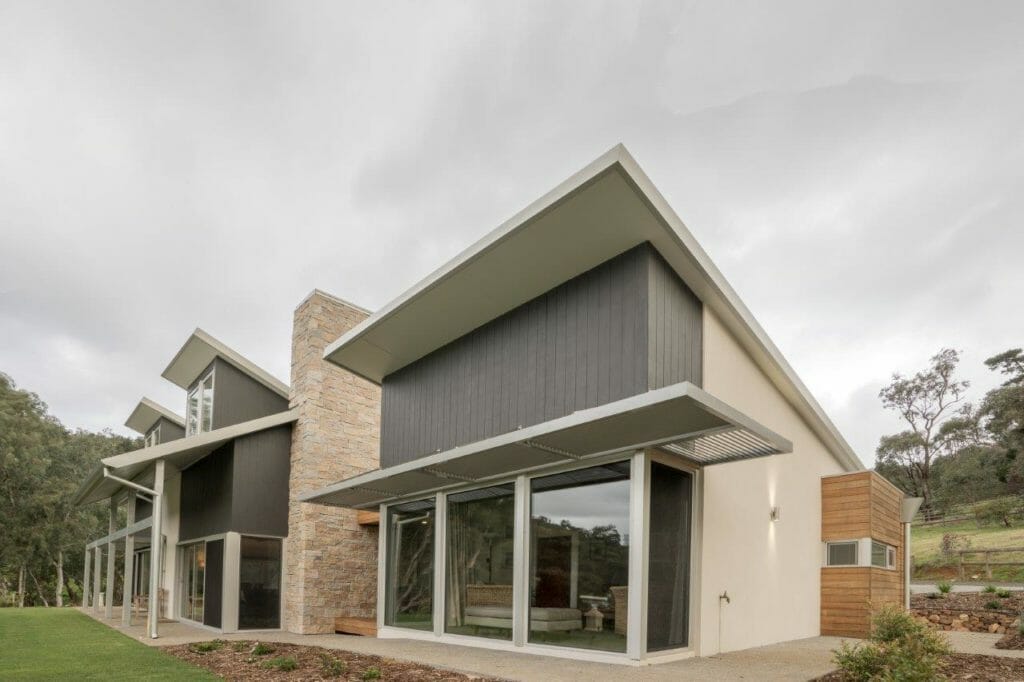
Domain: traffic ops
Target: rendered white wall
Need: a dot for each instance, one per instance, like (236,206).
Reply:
(771,570)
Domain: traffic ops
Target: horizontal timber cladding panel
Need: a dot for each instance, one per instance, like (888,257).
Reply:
(844,601)
(845,506)
(585,343)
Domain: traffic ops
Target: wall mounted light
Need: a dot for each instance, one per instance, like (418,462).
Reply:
(775,513)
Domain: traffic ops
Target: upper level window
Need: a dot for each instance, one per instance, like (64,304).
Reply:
(882,555)
(842,553)
(153,438)
(200,407)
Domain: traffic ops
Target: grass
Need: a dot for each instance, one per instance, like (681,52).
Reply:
(40,643)
(930,564)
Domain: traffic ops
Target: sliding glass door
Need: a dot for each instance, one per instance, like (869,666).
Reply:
(193,572)
(410,567)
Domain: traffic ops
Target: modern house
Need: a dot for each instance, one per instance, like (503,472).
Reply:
(571,439)
(221,478)
(590,448)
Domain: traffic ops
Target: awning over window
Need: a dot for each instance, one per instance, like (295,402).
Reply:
(681,418)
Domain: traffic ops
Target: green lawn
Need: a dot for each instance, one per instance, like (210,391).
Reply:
(63,644)
(926,548)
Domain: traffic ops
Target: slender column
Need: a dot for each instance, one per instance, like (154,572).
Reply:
(86,584)
(156,549)
(636,628)
(382,573)
(440,526)
(521,563)
(111,555)
(127,589)
(230,582)
(97,572)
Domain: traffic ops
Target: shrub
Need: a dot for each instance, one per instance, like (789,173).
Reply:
(989,589)
(945,587)
(900,648)
(240,646)
(371,674)
(207,647)
(993,605)
(262,649)
(953,543)
(331,666)
(285,663)
(996,513)
(1003,594)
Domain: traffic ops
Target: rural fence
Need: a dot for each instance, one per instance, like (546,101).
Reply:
(988,563)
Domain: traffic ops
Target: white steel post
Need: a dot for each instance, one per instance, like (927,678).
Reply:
(636,630)
(520,563)
(85,579)
(438,597)
(111,555)
(156,547)
(128,588)
(97,572)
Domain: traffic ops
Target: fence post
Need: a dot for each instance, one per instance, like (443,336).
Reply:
(960,554)
(988,565)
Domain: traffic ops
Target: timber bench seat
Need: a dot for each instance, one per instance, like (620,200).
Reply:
(367,627)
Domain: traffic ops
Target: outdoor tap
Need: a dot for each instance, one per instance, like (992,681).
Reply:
(725,596)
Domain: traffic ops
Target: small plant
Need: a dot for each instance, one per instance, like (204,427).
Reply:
(284,663)
(989,589)
(262,649)
(899,648)
(371,674)
(933,595)
(993,605)
(207,647)
(240,646)
(1003,594)
(331,666)
(945,587)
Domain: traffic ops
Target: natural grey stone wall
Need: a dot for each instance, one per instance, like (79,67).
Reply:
(330,560)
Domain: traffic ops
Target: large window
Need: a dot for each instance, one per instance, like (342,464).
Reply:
(842,553)
(410,565)
(668,576)
(882,555)
(579,558)
(200,407)
(478,585)
(193,571)
(259,595)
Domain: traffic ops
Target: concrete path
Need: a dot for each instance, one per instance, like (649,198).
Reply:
(980,643)
(798,660)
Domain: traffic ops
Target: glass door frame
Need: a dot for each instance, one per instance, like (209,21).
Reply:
(639,526)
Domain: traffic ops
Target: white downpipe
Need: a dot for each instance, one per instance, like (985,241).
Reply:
(906,566)
(156,546)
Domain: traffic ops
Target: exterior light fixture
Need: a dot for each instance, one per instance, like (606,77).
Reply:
(775,513)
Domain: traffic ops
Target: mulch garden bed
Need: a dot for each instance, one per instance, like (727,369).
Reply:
(972,667)
(1011,640)
(250,660)
(968,601)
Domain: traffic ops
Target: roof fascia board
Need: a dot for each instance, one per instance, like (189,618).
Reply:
(160,410)
(231,355)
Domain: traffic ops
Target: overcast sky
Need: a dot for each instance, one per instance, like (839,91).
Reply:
(855,169)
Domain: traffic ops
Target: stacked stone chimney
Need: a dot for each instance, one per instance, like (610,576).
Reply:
(330,560)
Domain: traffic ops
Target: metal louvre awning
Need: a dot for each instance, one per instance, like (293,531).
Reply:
(681,418)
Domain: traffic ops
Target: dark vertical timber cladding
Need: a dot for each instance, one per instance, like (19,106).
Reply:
(214,587)
(676,328)
(582,344)
(238,397)
(206,495)
(169,430)
(260,483)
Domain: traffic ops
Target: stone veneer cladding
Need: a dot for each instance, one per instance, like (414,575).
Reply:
(330,560)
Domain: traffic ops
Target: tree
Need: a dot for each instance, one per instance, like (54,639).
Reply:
(1002,415)
(930,402)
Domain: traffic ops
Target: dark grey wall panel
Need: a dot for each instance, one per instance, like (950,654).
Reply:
(582,344)
(260,485)
(206,489)
(237,397)
(675,344)
(213,602)
(169,430)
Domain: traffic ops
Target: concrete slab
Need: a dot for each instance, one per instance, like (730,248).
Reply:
(798,660)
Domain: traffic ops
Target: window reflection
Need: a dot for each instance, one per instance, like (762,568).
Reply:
(410,565)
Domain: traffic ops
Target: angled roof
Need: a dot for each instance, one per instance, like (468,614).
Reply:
(682,418)
(181,453)
(147,412)
(601,211)
(199,351)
